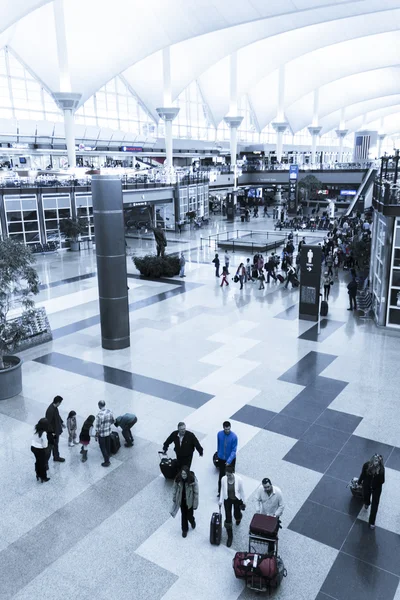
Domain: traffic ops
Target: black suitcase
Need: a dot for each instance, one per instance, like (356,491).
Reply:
(168,466)
(115,442)
(280,278)
(254,274)
(295,283)
(324,308)
(216,528)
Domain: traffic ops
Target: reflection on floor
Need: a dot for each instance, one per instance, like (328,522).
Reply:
(309,406)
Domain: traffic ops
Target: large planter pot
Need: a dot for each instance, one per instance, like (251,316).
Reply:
(74,246)
(11,378)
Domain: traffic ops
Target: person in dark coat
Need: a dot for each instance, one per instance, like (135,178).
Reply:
(56,426)
(216,263)
(185,443)
(126,422)
(372,478)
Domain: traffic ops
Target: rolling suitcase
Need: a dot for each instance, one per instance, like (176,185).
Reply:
(295,283)
(254,274)
(168,466)
(324,308)
(264,526)
(216,528)
(355,488)
(280,278)
(215,460)
(115,442)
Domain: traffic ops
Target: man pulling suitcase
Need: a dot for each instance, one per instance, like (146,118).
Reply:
(185,443)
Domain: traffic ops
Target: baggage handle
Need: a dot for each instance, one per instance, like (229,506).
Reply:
(161,454)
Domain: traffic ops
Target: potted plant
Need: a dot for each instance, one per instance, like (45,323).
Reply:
(72,229)
(19,282)
(309,187)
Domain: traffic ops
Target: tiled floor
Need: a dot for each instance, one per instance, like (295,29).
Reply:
(310,403)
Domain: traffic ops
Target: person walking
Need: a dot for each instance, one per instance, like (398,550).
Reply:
(269,499)
(372,478)
(86,433)
(39,448)
(126,422)
(248,271)
(216,264)
(352,291)
(185,496)
(329,263)
(104,420)
(227,259)
(232,495)
(182,262)
(185,443)
(227,442)
(224,276)
(56,426)
(270,268)
(290,274)
(241,274)
(72,429)
(327,285)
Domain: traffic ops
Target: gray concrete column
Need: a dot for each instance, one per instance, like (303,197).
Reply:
(109,232)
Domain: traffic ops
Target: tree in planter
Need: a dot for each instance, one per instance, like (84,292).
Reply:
(72,229)
(309,187)
(19,282)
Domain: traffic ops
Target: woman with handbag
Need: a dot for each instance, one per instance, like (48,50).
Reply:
(185,496)
(372,478)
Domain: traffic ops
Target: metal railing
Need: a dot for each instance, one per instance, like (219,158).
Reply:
(226,236)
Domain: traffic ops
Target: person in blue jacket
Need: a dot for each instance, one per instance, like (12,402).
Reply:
(227,442)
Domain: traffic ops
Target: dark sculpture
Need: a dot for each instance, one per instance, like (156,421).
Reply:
(161,240)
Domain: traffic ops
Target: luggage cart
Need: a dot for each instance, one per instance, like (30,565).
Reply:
(267,546)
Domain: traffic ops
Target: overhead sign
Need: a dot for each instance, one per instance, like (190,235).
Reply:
(131,149)
(348,192)
(293,172)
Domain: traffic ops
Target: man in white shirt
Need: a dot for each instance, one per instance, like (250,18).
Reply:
(269,499)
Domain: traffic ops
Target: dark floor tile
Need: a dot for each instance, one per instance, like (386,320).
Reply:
(17,570)
(288,426)
(125,379)
(327,327)
(394,460)
(252,415)
(352,579)
(322,524)
(303,409)
(310,457)
(364,448)
(306,370)
(53,284)
(334,494)
(326,384)
(332,439)
(339,420)
(322,596)
(289,314)
(377,547)
(345,468)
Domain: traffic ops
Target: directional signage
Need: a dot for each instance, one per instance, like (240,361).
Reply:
(293,176)
(310,282)
(293,172)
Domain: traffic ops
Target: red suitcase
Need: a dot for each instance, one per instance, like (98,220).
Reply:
(264,526)
(280,278)
(248,563)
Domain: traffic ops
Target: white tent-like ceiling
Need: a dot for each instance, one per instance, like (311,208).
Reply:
(346,49)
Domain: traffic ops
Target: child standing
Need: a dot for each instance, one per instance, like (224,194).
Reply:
(261,279)
(72,429)
(248,271)
(87,432)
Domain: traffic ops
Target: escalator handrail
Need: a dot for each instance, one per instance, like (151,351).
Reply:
(362,190)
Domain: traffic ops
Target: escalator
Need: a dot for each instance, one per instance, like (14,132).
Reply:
(360,202)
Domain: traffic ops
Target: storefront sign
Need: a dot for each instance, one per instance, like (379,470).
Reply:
(348,192)
(131,149)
